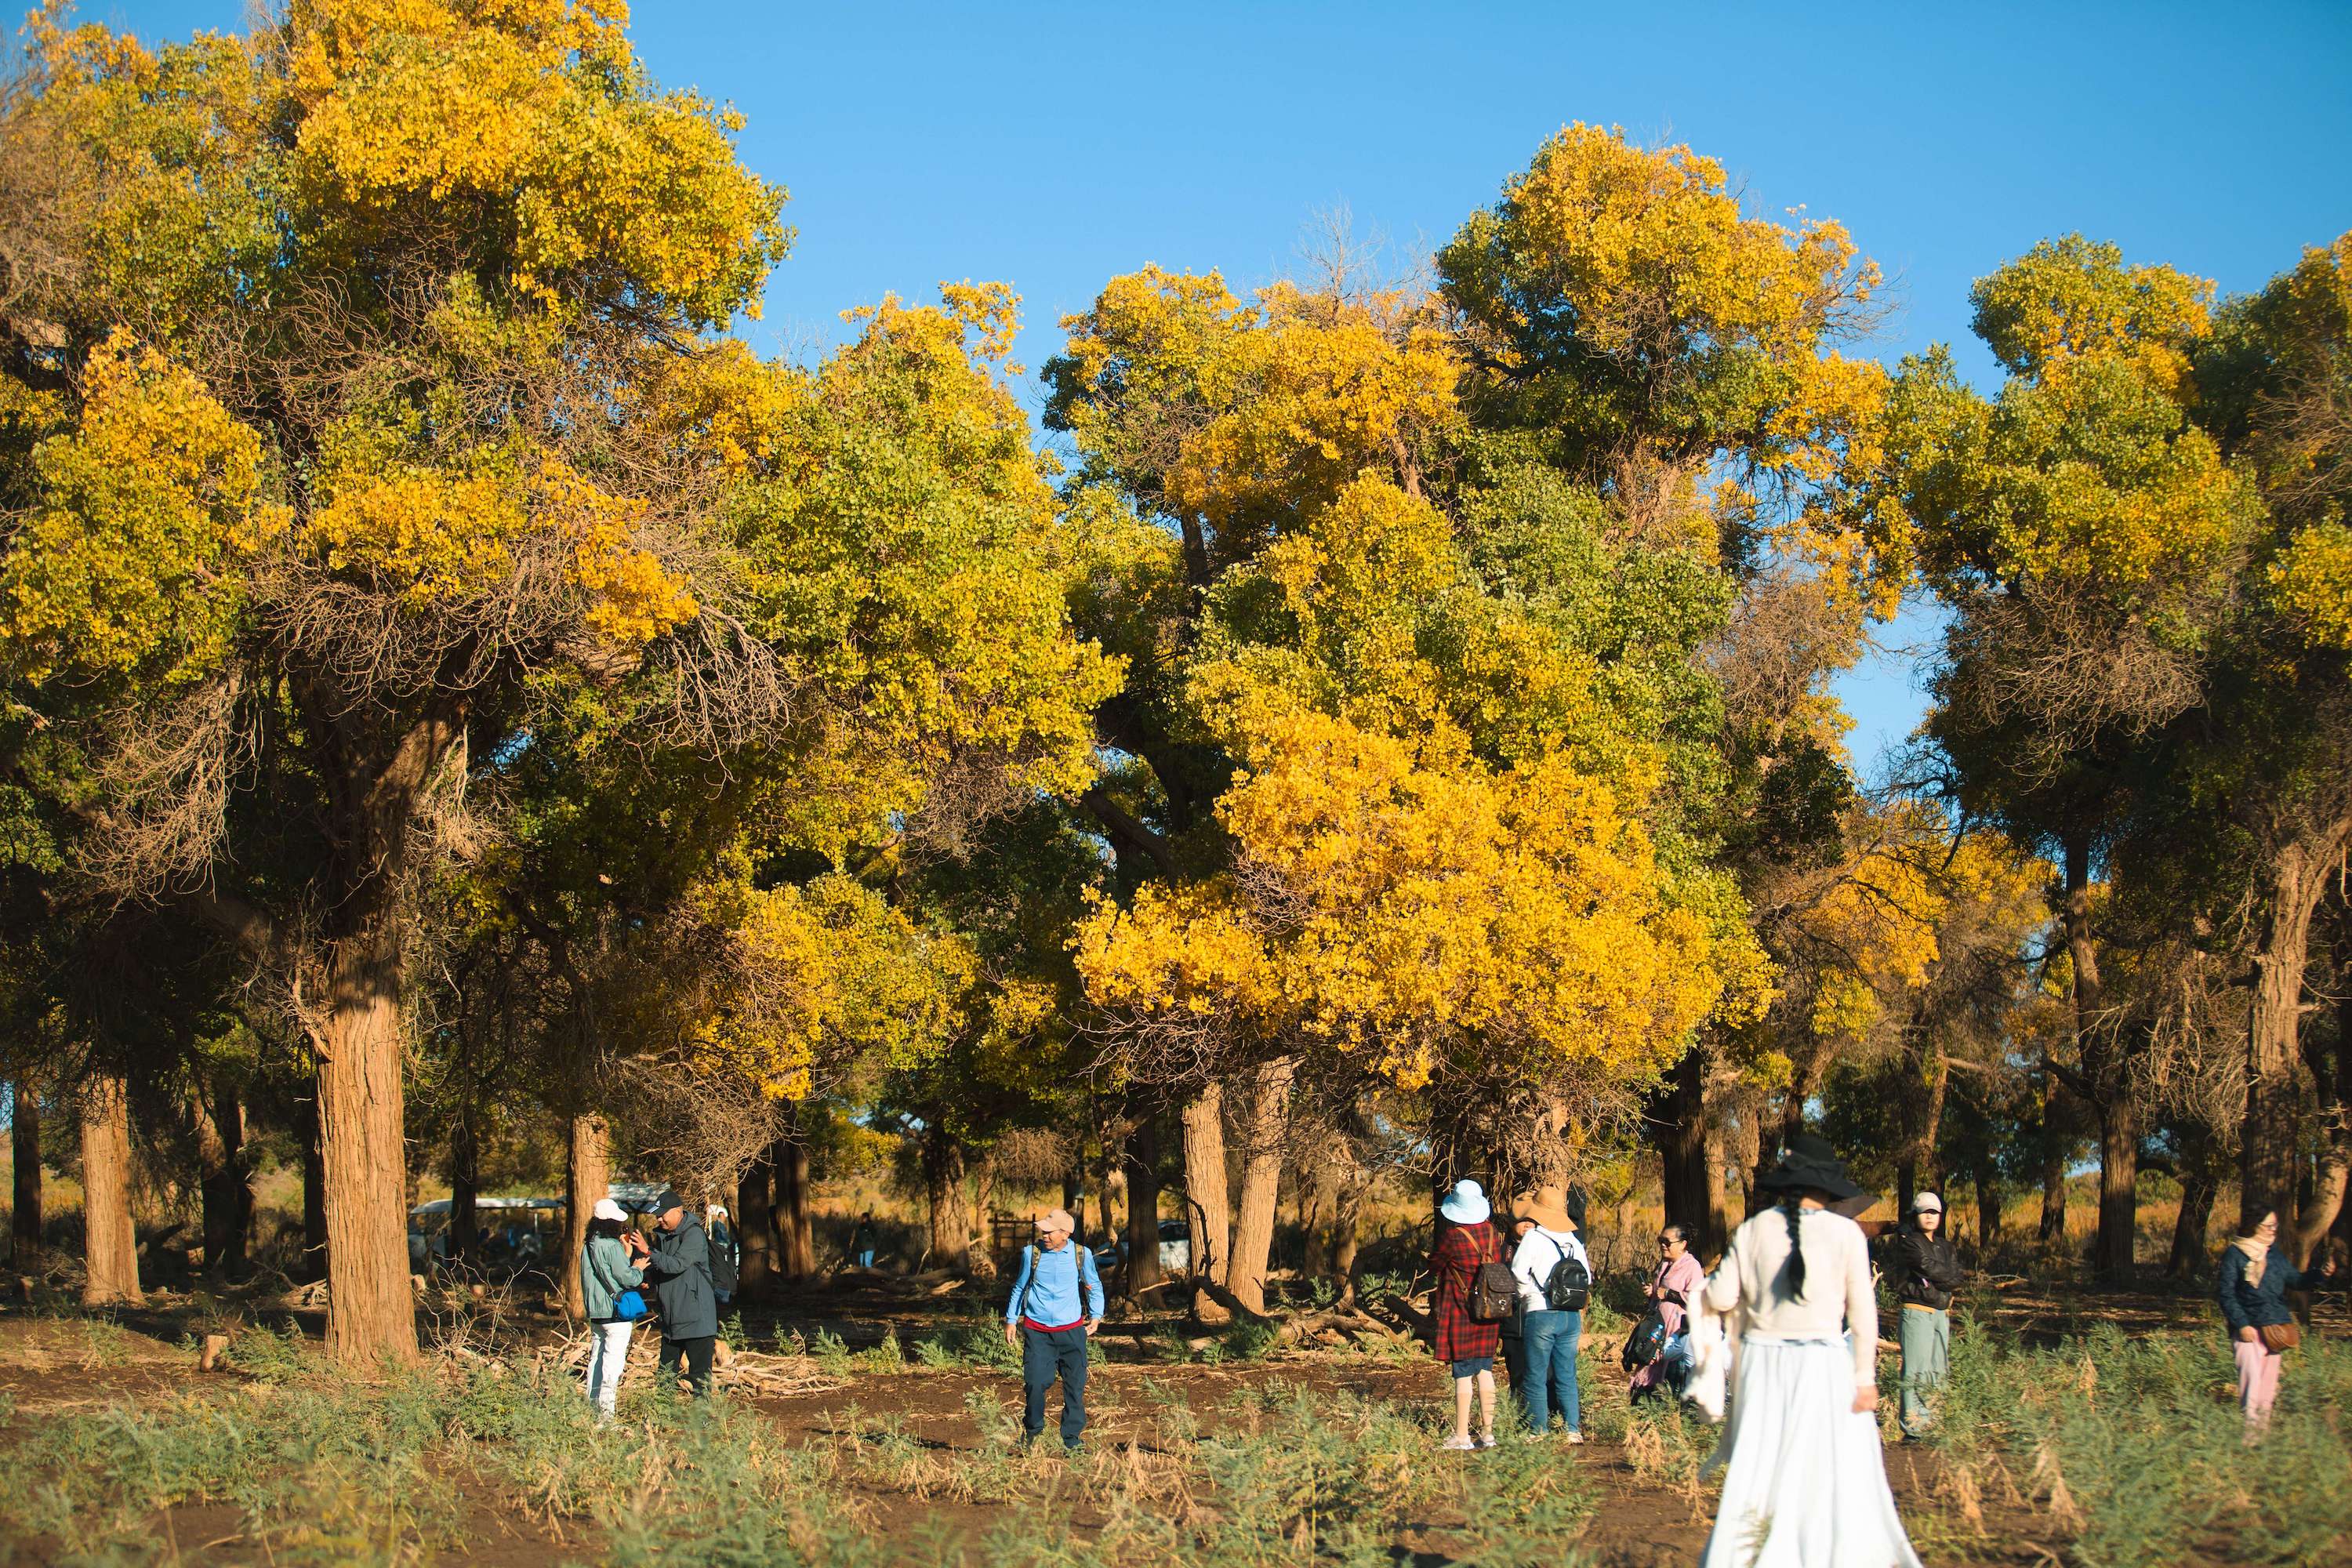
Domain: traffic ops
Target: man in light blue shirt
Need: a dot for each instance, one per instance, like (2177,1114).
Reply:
(1055,1306)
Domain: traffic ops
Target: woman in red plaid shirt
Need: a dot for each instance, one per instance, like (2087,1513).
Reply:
(1464,1344)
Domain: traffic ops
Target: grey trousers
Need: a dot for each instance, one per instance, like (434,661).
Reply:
(1926,1338)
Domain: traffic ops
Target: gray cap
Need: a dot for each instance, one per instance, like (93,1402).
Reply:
(1927,1202)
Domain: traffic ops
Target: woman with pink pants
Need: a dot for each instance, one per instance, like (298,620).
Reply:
(2255,1277)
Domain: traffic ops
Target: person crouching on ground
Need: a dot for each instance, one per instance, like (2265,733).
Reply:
(608,1270)
(1549,1263)
(1926,1271)
(1675,1283)
(2255,1277)
(1466,1344)
(680,1267)
(1054,1308)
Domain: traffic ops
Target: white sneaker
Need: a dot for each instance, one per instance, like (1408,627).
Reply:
(1572,1436)
(1459,1445)
(1486,1439)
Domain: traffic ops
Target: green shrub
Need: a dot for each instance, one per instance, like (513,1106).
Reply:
(2135,1445)
(270,1355)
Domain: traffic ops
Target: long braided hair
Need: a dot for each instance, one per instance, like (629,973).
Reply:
(1791,1210)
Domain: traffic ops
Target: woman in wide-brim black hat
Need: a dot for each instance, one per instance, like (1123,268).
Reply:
(1804,1477)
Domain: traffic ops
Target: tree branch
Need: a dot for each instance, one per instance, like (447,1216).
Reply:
(1125,832)
(254,934)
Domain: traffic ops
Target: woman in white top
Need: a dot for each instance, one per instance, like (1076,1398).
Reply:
(1549,1335)
(1804,1480)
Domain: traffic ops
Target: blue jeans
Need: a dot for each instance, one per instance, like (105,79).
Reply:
(1046,1354)
(865,1258)
(1552,1340)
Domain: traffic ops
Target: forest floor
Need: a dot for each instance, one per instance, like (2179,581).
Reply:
(128,1455)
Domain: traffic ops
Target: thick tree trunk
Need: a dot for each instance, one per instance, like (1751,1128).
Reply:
(371,1311)
(1109,1232)
(2099,1046)
(225,1181)
(110,1242)
(2055,1146)
(1319,1185)
(2188,1258)
(1919,1153)
(795,1231)
(2334,1170)
(1687,1149)
(2113,1254)
(1143,1204)
(2335,1158)
(1207,1213)
(1347,1225)
(1261,1183)
(1988,1206)
(465,1188)
(587,1179)
(25,1146)
(755,1224)
(951,1218)
(1743,1145)
(312,1264)
(2298,875)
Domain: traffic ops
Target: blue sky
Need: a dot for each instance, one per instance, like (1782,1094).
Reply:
(1056,146)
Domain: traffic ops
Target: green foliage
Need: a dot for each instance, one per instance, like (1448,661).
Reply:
(270,1355)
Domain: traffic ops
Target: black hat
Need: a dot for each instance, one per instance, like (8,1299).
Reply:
(667,1200)
(1809,1163)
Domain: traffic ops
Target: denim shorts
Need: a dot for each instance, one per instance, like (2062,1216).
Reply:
(1474,1366)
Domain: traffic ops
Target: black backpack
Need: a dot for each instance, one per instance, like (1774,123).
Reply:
(1569,1287)
(1645,1343)
(724,1275)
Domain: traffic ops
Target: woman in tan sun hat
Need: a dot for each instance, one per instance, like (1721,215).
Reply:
(1555,1281)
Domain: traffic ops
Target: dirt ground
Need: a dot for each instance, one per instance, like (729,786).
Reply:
(47,1369)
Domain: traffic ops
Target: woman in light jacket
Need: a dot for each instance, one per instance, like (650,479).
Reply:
(1550,1335)
(608,1266)
(1804,1482)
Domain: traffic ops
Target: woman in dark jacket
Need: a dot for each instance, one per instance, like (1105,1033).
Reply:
(2255,1277)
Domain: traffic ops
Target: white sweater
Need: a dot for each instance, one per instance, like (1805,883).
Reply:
(1538,1254)
(1838,1294)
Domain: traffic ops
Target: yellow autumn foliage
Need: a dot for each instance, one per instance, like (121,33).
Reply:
(1397,906)
(818,974)
(1649,238)
(2311,582)
(535,103)
(435,537)
(1324,389)
(150,508)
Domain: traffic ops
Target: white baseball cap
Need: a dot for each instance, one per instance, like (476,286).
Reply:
(608,1209)
(1927,1202)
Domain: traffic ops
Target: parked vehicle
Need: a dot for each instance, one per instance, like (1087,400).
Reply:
(1175,1248)
(515,1232)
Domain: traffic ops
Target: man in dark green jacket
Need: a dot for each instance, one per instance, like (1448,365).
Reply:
(679,1269)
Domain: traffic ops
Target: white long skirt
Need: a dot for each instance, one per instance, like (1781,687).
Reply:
(1804,1482)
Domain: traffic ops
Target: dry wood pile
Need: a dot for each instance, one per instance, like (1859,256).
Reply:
(914,1287)
(736,1370)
